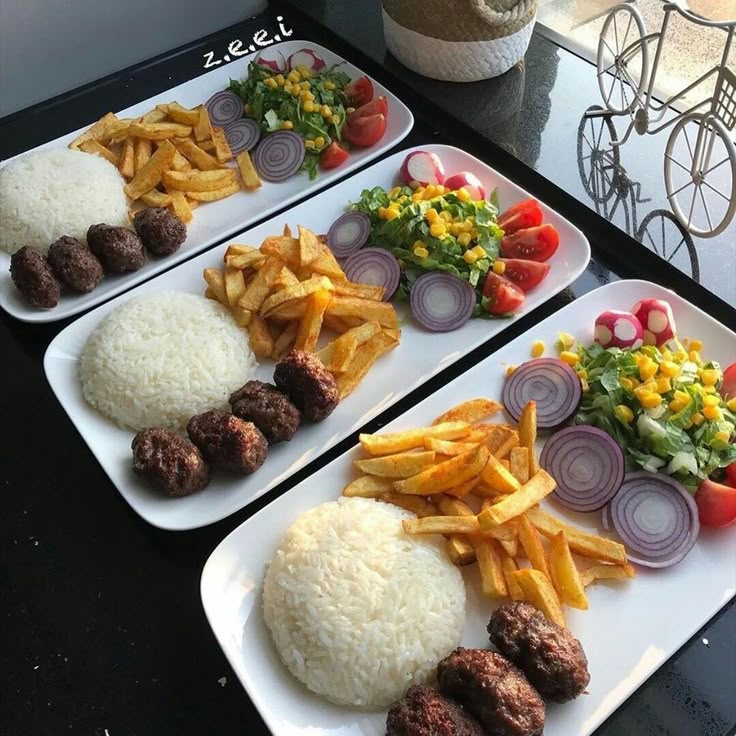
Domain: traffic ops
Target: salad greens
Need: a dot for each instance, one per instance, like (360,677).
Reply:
(676,436)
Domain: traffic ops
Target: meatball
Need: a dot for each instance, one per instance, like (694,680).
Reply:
(120,250)
(227,441)
(552,659)
(304,379)
(265,406)
(171,461)
(161,231)
(425,712)
(493,690)
(34,278)
(75,264)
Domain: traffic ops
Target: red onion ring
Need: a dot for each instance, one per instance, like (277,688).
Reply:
(656,518)
(349,233)
(587,464)
(441,302)
(279,155)
(224,107)
(551,383)
(242,135)
(374,266)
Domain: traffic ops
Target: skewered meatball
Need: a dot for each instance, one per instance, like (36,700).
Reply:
(227,441)
(75,264)
(304,379)
(161,231)
(552,659)
(120,250)
(265,406)
(426,712)
(493,690)
(172,462)
(34,278)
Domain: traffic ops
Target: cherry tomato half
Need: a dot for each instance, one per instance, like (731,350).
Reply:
(728,387)
(716,504)
(525,274)
(333,156)
(364,131)
(379,106)
(503,295)
(359,91)
(520,216)
(533,243)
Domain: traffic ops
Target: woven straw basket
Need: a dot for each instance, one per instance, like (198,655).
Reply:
(459,40)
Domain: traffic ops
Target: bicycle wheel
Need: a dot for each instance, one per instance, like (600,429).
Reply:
(663,233)
(700,174)
(598,161)
(623,60)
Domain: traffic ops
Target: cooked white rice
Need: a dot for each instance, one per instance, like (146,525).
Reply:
(158,360)
(358,610)
(47,194)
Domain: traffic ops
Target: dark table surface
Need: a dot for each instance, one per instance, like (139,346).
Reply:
(104,633)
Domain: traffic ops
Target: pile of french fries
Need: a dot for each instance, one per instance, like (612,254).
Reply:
(289,289)
(171,157)
(479,484)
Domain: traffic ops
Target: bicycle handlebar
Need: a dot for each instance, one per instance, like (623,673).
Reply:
(698,20)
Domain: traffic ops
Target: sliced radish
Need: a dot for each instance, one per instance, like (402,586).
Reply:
(656,319)
(618,330)
(307,58)
(272,59)
(421,168)
(469,182)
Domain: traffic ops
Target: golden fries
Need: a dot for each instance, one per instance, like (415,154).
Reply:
(538,590)
(607,572)
(447,474)
(493,582)
(531,541)
(418,505)
(460,551)
(401,465)
(149,175)
(565,575)
(387,444)
(530,494)
(364,357)
(368,486)
(498,478)
(442,525)
(310,324)
(528,434)
(365,309)
(248,172)
(469,411)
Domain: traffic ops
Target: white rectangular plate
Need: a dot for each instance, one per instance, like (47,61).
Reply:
(629,631)
(420,355)
(212,221)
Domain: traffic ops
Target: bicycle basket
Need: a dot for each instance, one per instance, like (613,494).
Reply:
(724,99)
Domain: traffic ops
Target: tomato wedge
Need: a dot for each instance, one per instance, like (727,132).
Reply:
(731,475)
(728,387)
(359,91)
(716,504)
(503,296)
(333,156)
(364,131)
(525,274)
(520,216)
(532,243)
(379,106)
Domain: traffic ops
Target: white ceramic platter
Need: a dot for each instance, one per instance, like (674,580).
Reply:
(212,221)
(420,355)
(629,631)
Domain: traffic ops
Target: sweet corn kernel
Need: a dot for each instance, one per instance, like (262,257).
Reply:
(582,373)
(308,105)
(624,414)
(722,435)
(498,266)
(731,404)
(566,340)
(463,239)
(439,189)
(416,197)
(695,344)
(666,354)
(626,383)
(709,377)
(683,397)
(510,370)
(287,125)
(698,419)
(537,348)
(305,85)
(711,401)
(421,252)
(270,83)
(329,85)
(694,356)
(569,357)
(325,111)
(712,412)
(470,257)
(305,94)
(248,109)
(680,356)
(463,195)
(709,389)
(649,399)
(647,368)
(418,244)
(438,229)
(663,385)
(676,405)
(634,383)
(479,251)
(335,120)
(392,213)
(429,193)
(455,230)
(349,110)
(280,80)
(466,226)
(394,192)
(431,215)
(295,90)
(303,70)
(668,368)
(584,385)
(319,141)
(310,144)
(294,76)
(446,216)
(473,233)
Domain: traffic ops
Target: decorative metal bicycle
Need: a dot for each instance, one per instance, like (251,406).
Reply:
(696,163)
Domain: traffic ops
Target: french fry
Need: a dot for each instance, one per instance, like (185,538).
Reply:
(259,288)
(193,153)
(290,310)
(222,148)
(182,115)
(362,361)
(587,545)
(519,463)
(498,478)
(450,506)
(96,148)
(241,316)
(510,546)
(180,163)
(154,116)
(528,434)
(96,132)
(285,279)
(607,572)
(252,259)
(446,475)
(337,324)
(248,172)
(416,504)
(203,130)
(309,247)
(367,486)
(310,324)
(387,444)
(509,566)
(445,447)
(141,153)
(327,265)
(463,489)
(215,279)
(126,163)
(180,206)
(154,198)
(284,247)
(361,291)
(531,541)
(337,354)
(506,446)
(284,342)
(365,309)
(469,411)
(298,291)
(401,465)
(234,285)
(459,550)
(214,195)
(539,592)
(442,525)
(493,582)
(261,341)
(239,249)
(159,131)
(530,494)
(149,175)
(564,573)
(198,181)
(118,131)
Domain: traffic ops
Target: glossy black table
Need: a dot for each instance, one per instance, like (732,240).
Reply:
(103,630)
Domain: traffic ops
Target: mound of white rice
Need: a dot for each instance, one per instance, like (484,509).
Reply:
(158,360)
(47,194)
(358,610)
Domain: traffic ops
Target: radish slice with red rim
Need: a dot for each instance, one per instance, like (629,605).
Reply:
(224,108)
(420,168)
(242,135)
(441,302)
(587,464)
(374,266)
(656,518)
(279,155)
(349,233)
(551,383)
(307,58)
(272,59)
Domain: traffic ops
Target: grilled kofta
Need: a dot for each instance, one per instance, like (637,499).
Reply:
(305,380)
(75,264)
(228,442)
(424,711)
(265,406)
(161,231)
(120,250)
(171,461)
(34,279)
(552,659)
(493,690)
